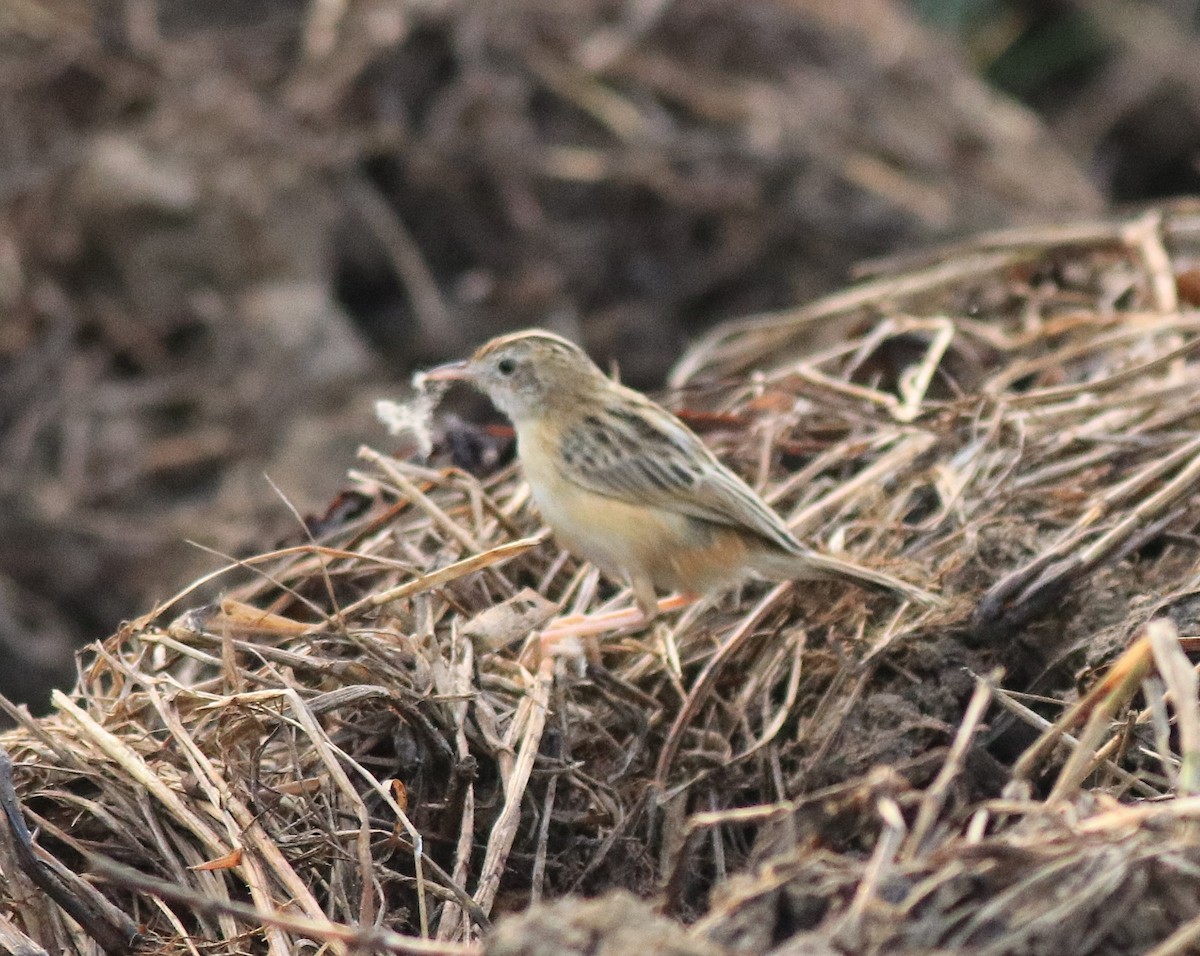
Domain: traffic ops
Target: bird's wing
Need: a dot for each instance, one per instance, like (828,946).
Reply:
(635,451)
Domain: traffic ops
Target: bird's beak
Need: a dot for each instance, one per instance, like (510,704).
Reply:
(451,372)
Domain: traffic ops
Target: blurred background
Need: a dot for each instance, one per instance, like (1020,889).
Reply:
(227,226)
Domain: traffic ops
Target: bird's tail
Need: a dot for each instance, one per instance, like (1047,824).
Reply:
(809,565)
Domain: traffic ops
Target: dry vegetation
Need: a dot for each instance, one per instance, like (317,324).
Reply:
(357,747)
(226,227)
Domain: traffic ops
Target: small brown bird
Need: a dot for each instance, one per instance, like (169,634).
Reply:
(625,484)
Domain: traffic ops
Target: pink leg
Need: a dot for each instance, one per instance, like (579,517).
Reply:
(588,625)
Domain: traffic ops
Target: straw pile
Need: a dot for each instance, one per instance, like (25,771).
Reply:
(358,746)
(211,207)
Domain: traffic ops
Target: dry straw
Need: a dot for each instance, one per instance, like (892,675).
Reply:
(357,748)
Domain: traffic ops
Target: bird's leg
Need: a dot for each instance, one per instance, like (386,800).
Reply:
(648,607)
(583,625)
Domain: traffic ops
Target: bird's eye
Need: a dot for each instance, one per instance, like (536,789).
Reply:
(506,366)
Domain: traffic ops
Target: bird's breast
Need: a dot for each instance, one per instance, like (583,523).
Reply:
(673,550)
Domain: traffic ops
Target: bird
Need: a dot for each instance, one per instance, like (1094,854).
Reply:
(626,485)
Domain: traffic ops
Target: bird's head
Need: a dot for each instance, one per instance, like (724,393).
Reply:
(526,374)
